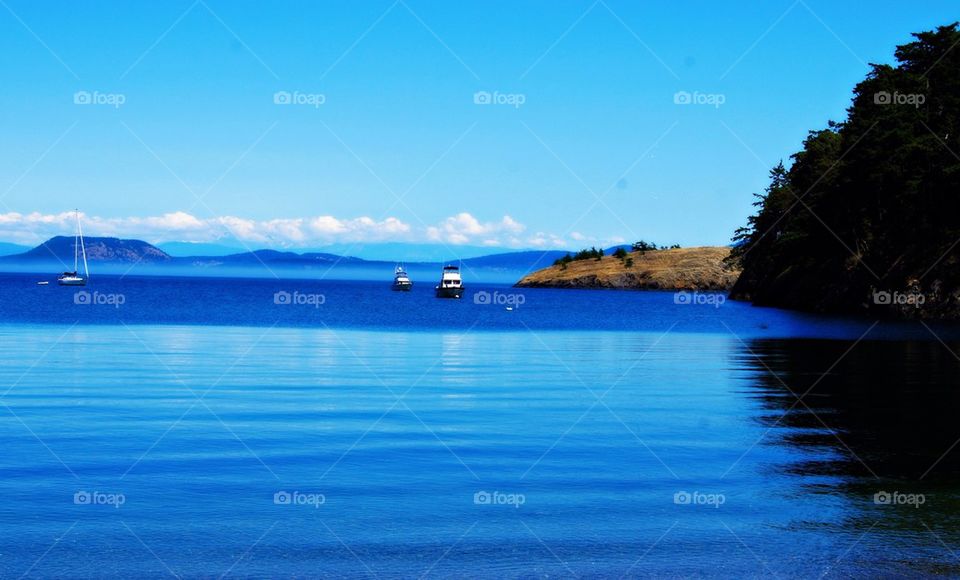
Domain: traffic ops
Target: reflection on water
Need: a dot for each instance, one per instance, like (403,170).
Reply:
(881,419)
(638,454)
(894,406)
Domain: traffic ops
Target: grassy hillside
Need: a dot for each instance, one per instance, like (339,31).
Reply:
(686,269)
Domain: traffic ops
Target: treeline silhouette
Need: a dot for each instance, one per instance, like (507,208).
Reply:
(597,253)
(870,204)
(591,254)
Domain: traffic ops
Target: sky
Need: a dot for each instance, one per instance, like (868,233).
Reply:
(500,124)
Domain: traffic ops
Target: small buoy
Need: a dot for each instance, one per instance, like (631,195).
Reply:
(509,308)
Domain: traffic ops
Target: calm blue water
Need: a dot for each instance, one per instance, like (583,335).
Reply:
(134,300)
(586,434)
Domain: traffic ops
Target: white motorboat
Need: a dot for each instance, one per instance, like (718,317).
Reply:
(451,285)
(401,280)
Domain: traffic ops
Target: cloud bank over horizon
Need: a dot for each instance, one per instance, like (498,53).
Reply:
(457,230)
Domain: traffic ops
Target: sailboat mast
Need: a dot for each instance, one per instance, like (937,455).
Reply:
(86,271)
(76,242)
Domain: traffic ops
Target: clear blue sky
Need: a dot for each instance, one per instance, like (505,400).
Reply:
(398,80)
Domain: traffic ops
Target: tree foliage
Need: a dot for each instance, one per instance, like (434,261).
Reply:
(591,254)
(868,203)
(643,247)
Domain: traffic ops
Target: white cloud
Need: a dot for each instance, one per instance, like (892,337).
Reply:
(241,229)
(463,228)
(177,221)
(582,240)
(459,229)
(546,241)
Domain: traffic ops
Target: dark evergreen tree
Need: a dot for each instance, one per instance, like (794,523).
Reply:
(870,203)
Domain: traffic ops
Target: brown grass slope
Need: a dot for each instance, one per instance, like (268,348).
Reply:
(681,269)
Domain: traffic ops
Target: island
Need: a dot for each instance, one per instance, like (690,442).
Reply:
(863,220)
(703,268)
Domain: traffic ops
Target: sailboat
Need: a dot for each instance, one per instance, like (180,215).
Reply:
(74,278)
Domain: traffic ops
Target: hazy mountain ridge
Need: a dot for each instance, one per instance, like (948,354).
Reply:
(123,255)
(190,249)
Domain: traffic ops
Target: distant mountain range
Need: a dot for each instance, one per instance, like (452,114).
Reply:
(404,251)
(114,255)
(185,249)
(380,251)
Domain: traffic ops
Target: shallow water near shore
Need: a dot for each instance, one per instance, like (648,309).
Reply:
(703,441)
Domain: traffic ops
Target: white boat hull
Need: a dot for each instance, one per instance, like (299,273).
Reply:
(451,285)
(72,281)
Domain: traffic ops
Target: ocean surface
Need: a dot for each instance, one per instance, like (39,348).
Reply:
(158,427)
